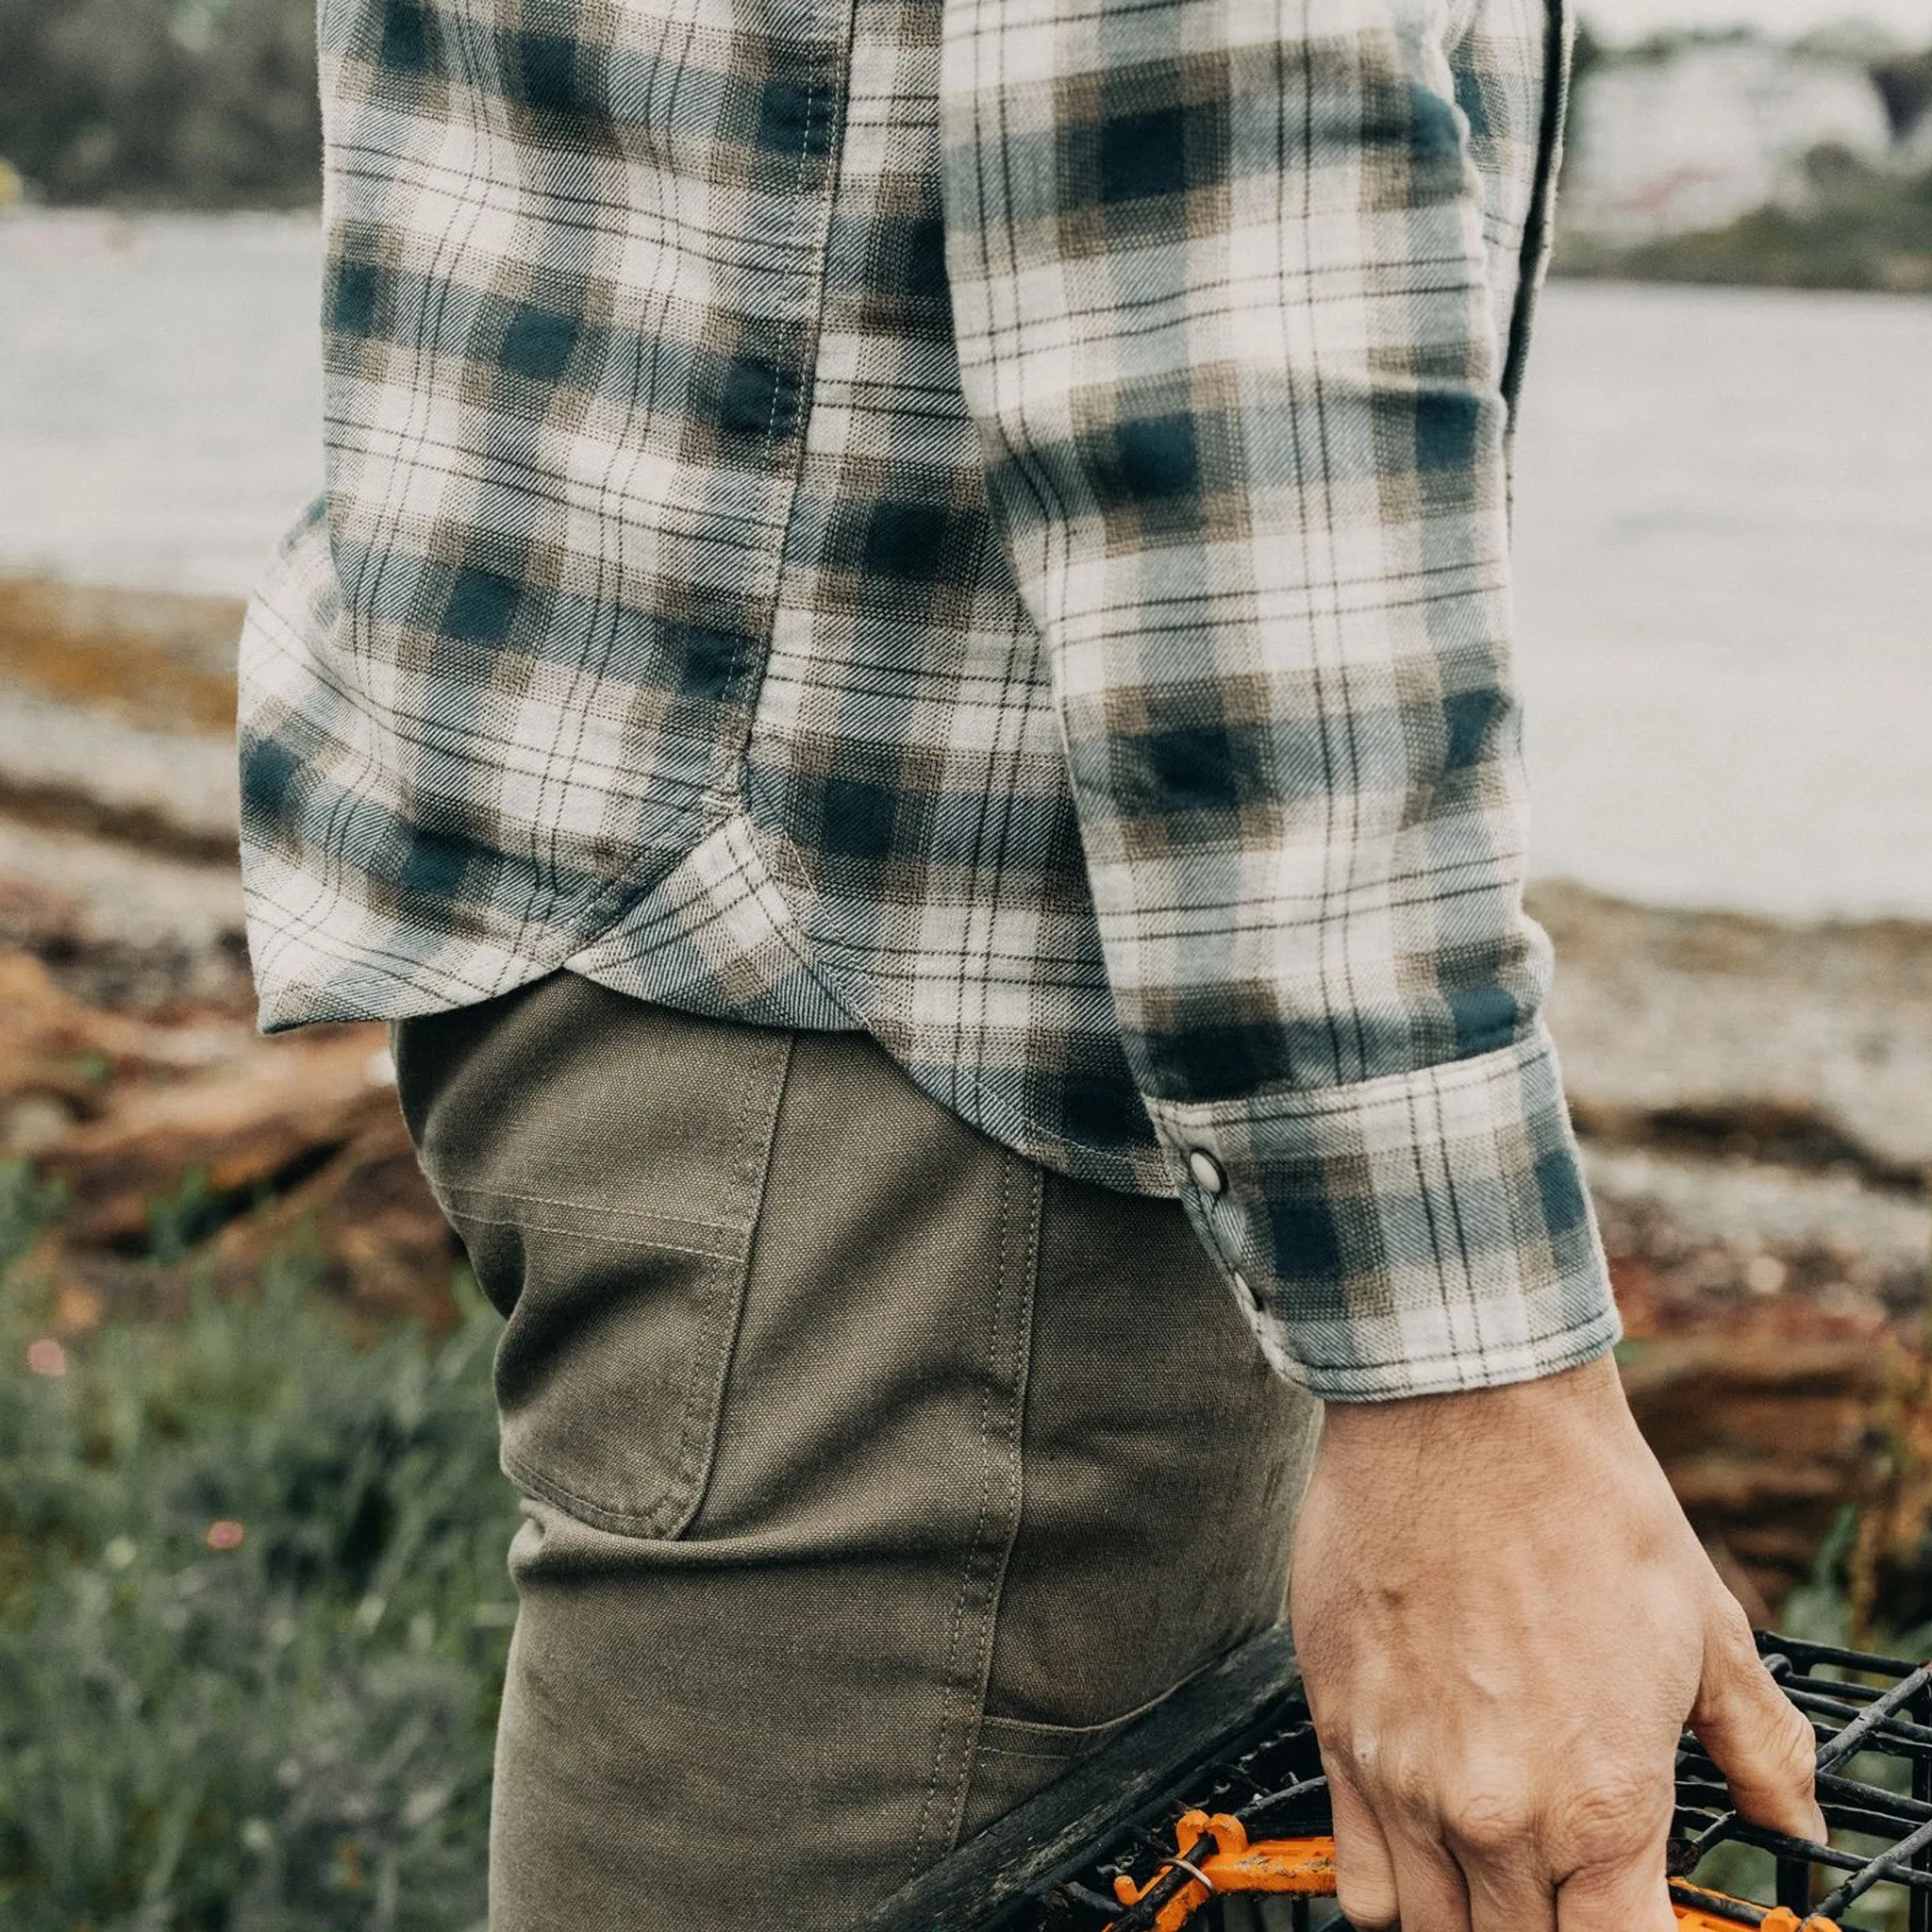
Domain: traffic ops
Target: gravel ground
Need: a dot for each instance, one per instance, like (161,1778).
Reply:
(1810,1044)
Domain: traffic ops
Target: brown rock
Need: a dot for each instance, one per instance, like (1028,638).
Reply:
(1765,1438)
(382,1243)
(153,658)
(241,1123)
(293,1141)
(51,1042)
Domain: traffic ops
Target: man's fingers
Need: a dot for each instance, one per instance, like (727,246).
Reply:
(1608,1841)
(1630,1896)
(1759,1740)
(1364,1878)
(1430,1895)
(1494,1837)
(1508,1898)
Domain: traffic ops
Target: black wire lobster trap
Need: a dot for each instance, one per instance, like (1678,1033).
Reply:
(1212,1814)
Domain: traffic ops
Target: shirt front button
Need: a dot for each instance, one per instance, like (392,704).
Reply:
(1209,1175)
(1248,1294)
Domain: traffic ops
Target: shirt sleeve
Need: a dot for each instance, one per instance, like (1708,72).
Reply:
(1227,332)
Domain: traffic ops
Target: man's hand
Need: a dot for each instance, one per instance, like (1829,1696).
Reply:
(1503,1620)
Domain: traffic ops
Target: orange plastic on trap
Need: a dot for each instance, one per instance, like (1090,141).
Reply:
(1307,1865)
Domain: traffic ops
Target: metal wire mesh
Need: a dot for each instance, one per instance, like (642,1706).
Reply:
(1873,1719)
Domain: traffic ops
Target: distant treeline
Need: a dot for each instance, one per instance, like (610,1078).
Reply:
(1861,229)
(1854,225)
(212,104)
(161,103)
(1904,85)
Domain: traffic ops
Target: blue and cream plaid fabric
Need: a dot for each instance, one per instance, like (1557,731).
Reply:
(983,521)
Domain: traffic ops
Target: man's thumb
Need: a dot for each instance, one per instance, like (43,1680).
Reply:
(1757,1737)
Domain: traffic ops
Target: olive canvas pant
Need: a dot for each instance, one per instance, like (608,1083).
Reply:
(872,1473)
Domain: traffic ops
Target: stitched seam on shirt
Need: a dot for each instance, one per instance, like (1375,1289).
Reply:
(811,108)
(789,930)
(719,797)
(834,164)
(1359,1097)
(581,928)
(608,910)
(1577,1341)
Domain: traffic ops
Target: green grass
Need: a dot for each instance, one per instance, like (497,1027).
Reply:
(288,1734)
(293,1734)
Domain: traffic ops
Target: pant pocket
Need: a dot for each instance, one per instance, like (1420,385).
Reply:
(1014,1760)
(603,1161)
(612,1367)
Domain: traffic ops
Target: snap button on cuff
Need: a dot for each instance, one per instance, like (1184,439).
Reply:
(1209,1175)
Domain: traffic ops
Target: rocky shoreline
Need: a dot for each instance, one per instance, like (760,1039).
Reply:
(1754,1097)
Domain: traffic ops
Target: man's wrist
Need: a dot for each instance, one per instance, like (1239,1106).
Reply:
(1584,1397)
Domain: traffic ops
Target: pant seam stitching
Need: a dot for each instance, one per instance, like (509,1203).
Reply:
(1023,1345)
(924,1834)
(598,1208)
(634,1243)
(698,1461)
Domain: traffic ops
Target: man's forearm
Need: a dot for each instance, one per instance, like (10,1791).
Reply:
(1235,336)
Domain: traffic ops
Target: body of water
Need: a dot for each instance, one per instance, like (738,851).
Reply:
(1723,534)
(160,395)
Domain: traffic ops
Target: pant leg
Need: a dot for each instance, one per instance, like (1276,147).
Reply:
(872,1473)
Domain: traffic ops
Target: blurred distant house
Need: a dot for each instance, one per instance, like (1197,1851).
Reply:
(1917,145)
(1696,134)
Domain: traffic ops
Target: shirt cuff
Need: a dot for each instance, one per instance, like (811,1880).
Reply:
(1414,1235)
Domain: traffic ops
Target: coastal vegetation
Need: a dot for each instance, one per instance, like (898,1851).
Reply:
(253,1608)
(1856,227)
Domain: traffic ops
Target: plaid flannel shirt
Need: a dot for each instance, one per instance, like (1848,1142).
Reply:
(983,521)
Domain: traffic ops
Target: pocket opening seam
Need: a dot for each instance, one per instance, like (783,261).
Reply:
(647,1524)
(1072,1754)
(631,1243)
(587,1206)
(1039,1730)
